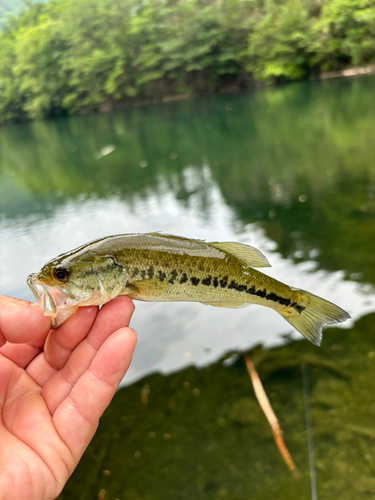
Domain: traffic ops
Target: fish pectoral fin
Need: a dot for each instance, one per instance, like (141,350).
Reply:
(144,289)
(250,256)
(233,305)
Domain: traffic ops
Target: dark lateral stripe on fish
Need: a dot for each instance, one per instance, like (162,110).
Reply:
(298,307)
(240,288)
(263,293)
(173,276)
(183,278)
(284,302)
(272,296)
(161,276)
(223,282)
(135,272)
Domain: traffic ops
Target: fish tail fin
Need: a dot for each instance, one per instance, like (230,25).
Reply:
(309,314)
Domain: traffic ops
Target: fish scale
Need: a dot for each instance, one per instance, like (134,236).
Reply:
(199,278)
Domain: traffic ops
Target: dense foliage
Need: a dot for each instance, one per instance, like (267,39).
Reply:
(12,8)
(67,56)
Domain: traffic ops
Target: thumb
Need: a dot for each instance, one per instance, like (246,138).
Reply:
(21,321)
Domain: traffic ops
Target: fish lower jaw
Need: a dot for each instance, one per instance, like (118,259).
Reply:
(62,314)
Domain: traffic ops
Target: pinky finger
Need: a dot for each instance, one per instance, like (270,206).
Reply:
(77,417)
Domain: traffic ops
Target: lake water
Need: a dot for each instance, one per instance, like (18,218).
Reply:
(289,170)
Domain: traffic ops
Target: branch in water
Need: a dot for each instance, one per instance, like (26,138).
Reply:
(269,413)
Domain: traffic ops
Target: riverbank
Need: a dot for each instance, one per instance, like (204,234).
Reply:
(226,89)
(362,70)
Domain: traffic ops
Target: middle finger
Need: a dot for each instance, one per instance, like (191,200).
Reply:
(112,316)
(60,343)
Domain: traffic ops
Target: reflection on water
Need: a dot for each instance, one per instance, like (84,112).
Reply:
(289,170)
(202,435)
(279,157)
(179,334)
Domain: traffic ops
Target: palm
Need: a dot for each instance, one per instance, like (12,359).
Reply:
(53,391)
(26,472)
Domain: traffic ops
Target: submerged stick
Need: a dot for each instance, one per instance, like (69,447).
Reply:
(269,413)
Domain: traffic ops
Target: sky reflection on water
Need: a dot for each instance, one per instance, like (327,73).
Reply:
(289,170)
(175,335)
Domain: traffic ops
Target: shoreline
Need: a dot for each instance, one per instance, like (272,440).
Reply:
(109,105)
(324,75)
(354,71)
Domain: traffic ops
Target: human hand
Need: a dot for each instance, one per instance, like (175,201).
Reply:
(54,386)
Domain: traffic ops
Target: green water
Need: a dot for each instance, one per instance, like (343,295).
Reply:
(264,150)
(202,435)
(289,169)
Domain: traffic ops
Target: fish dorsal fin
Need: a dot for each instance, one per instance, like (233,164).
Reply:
(172,236)
(250,256)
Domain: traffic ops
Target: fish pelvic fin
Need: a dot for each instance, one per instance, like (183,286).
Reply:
(309,314)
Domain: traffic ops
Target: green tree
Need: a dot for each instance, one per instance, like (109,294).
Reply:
(183,40)
(98,52)
(344,34)
(38,51)
(68,56)
(13,8)
(11,99)
(278,42)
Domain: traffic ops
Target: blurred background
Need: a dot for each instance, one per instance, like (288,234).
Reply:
(219,120)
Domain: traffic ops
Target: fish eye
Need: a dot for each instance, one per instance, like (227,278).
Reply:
(61,274)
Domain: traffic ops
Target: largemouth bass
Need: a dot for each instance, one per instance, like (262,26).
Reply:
(160,267)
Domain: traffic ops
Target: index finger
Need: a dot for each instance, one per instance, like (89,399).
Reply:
(21,322)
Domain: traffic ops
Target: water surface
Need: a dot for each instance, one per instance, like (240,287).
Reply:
(290,170)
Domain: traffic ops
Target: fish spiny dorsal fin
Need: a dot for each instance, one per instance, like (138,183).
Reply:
(250,256)
(172,236)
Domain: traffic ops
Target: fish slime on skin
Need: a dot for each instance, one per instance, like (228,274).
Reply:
(164,268)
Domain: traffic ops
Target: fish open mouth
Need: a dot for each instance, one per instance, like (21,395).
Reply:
(42,294)
(50,299)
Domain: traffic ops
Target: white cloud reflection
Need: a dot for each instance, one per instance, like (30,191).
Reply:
(168,332)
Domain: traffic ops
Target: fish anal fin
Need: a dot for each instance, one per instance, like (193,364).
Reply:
(233,305)
(250,256)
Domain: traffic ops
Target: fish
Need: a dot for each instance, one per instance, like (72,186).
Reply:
(159,267)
